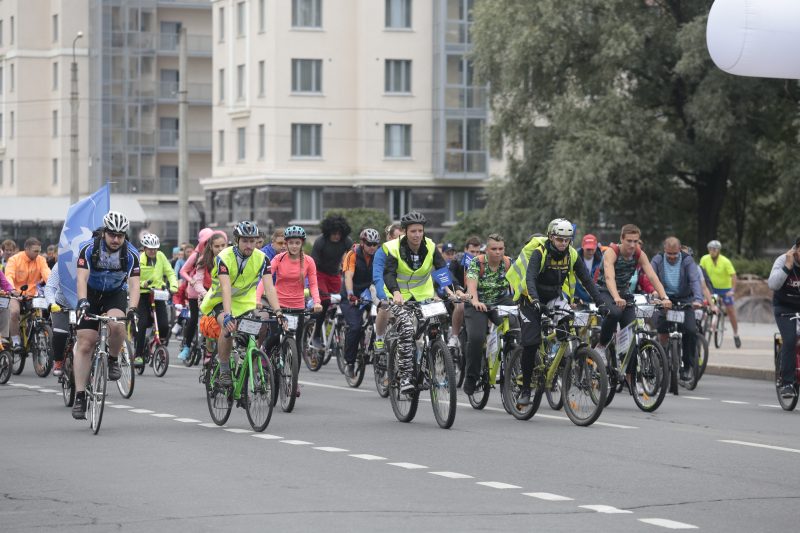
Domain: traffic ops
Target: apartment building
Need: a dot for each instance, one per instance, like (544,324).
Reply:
(322,104)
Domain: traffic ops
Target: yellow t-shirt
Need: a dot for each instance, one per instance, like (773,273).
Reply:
(720,273)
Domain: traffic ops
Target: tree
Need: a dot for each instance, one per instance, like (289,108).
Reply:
(360,218)
(614,113)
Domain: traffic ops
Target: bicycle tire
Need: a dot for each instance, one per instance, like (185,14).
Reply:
(17,362)
(708,326)
(480,397)
(443,391)
(67,382)
(703,354)
(719,331)
(404,405)
(337,347)
(96,393)
(380,374)
(611,374)
(787,404)
(127,378)
(652,374)
(258,391)
(554,392)
(513,384)
(42,353)
(585,386)
(6,362)
(327,325)
(694,371)
(160,360)
(360,370)
(460,364)
(288,375)
(673,351)
(311,356)
(219,399)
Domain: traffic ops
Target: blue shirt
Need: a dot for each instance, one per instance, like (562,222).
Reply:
(269,251)
(672,277)
(108,276)
(378,264)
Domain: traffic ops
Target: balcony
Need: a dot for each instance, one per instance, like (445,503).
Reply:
(199,141)
(198,4)
(199,93)
(198,45)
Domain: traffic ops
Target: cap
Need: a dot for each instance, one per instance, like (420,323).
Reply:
(448,247)
(589,242)
(176,249)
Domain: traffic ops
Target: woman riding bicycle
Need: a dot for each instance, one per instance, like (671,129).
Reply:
(155,268)
(784,280)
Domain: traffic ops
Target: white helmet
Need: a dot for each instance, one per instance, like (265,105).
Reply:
(116,222)
(150,240)
(715,244)
(560,227)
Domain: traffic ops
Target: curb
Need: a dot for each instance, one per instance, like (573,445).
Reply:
(745,372)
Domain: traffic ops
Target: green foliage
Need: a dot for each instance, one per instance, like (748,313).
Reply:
(473,223)
(361,218)
(758,267)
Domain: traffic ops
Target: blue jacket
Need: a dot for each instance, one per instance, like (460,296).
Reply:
(580,292)
(378,263)
(689,286)
(269,251)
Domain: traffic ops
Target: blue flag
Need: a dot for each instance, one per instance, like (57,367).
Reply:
(82,219)
(442,277)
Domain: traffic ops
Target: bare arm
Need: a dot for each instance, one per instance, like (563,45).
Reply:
(609,258)
(225,287)
(133,291)
(83,277)
(348,281)
(269,291)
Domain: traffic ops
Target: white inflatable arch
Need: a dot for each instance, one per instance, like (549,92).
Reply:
(758,38)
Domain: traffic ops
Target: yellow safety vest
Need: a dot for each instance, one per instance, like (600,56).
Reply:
(516,274)
(243,284)
(413,283)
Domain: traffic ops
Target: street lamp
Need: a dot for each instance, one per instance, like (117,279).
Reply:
(73,135)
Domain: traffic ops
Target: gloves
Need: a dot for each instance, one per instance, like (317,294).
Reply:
(533,303)
(55,308)
(352,298)
(83,306)
(133,318)
(227,320)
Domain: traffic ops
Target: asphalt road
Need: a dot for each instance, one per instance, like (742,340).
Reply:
(722,458)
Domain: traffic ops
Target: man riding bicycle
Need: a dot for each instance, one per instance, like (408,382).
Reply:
(155,272)
(234,280)
(784,279)
(723,277)
(108,275)
(27,267)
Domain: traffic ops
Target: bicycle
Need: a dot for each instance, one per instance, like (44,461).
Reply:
(67,379)
(155,354)
(500,342)
(6,362)
(35,334)
(432,367)
(365,348)
(788,404)
(285,361)
(702,342)
(650,380)
(715,323)
(675,318)
(332,338)
(583,375)
(252,373)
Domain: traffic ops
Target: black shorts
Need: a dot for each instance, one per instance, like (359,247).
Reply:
(103,302)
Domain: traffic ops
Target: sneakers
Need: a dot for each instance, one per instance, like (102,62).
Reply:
(469,386)
(138,361)
(380,347)
(79,408)
(737,341)
(224,379)
(787,391)
(350,370)
(453,342)
(524,397)
(176,329)
(184,355)
(58,368)
(406,387)
(114,373)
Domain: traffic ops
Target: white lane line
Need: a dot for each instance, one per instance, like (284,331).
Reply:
(669,524)
(695,397)
(547,496)
(187,420)
(296,442)
(163,415)
(497,485)
(239,430)
(367,457)
(331,449)
(408,466)
(606,509)
(34,387)
(122,406)
(769,405)
(209,425)
(757,445)
(452,475)
(18,385)
(48,390)
(337,387)
(141,411)
(732,402)
(266,436)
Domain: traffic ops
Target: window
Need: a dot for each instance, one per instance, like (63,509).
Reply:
(459,203)
(1,127)
(169,128)
(221,146)
(399,203)
(11,77)
(11,172)
(398,76)
(1,32)
(11,126)
(2,168)
(261,78)
(397,140)
(168,178)
(241,20)
(262,142)
(1,80)
(55,123)
(170,35)
(307,13)
(55,171)
(241,144)
(55,75)
(306,75)
(11,41)
(240,83)
(221,29)
(55,28)
(262,15)
(221,84)
(306,140)
(398,13)
(466,146)
(307,204)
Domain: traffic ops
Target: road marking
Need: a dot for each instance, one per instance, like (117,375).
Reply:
(18,385)
(187,420)
(757,445)
(331,449)
(141,411)
(367,457)
(122,406)
(209,425)
(695,397)
(497,485)
(451,475)
(239,430)
(606,509)
(163,415)
(296,442)
(769,405)
(337,387)
(48,390)
(34,387)
(547,496)
(266,436)
(408,466)
(669,524)
(733,402)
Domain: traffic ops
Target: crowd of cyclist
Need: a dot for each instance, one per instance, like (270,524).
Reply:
(221,281)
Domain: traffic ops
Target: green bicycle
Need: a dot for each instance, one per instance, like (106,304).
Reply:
(253,379)
(500,342)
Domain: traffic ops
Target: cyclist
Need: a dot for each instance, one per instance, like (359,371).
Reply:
(27,267)
(677,272)
(59,317)
(592,257)
(277,244)
(9,249)
(357,269)
(705,283)
(546,270)
(723,278)
(393,231)
(458,268)
(234,280)
(154,269)
(327,254)
(410,261)
(486,285)
(5,315)
(107,281)
(784,280)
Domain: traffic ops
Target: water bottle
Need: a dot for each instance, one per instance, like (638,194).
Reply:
(551,353)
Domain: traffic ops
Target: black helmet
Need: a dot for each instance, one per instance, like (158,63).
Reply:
(414,217)
(245,229)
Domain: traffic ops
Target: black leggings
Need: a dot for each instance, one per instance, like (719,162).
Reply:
(60,334)
(145,318)
(190,327)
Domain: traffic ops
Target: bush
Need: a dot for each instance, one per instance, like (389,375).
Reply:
(360,218)
(760,267)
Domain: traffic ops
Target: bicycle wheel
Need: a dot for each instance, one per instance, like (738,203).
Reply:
(709,323)
(258,391)
(96,393)
(553,393)
(219,399)
(288,375)
(652,376)
(160,360)
(585,386)
(336,349)
(441,375)
(127,377)
(480,397)
(404,405)
(17,362)
(692,373)
(702,356)
(787,404)
(42,351)
(68,382)
(674,359)
(327,325)
(611,373)
(380,374)
(360,370)
(513,386)
(6,362)
(719,331)
(311,356)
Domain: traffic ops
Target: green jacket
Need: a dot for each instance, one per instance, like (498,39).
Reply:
(154,271)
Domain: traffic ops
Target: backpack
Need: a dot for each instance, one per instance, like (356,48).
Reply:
(94,260)
(482,261)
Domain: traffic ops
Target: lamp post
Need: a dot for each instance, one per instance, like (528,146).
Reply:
(73,135)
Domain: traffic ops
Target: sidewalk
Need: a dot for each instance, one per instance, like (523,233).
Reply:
(754,360)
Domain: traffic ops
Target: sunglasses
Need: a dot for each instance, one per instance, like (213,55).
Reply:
(371,243)
(562,240)
(115,234)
